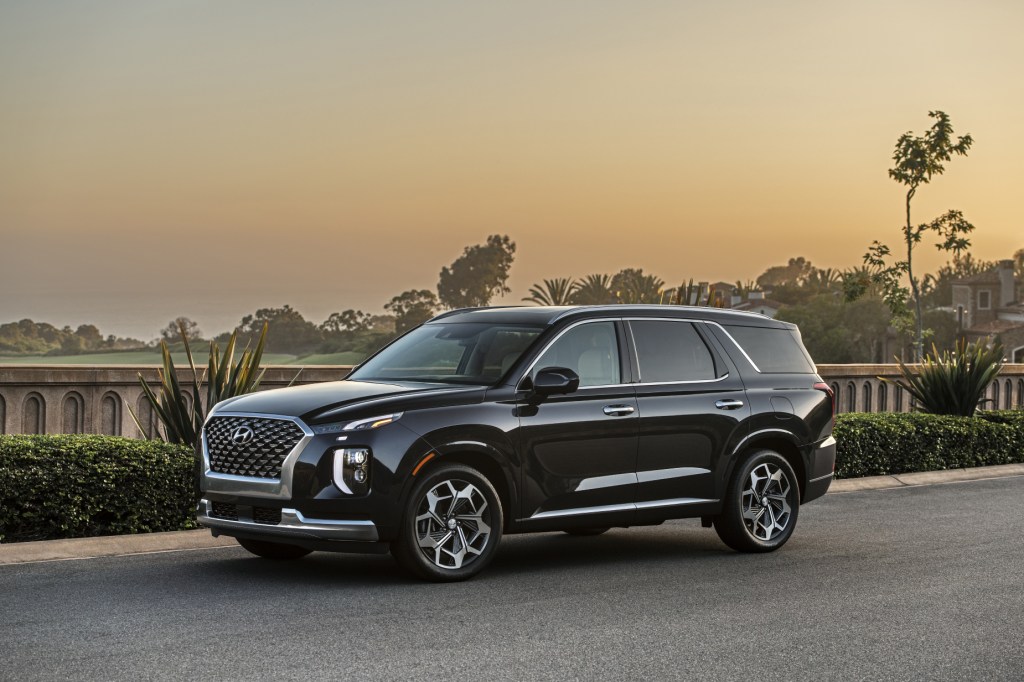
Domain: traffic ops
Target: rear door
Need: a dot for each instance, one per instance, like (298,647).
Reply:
(692,410)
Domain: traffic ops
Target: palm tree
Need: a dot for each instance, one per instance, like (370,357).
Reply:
(558,291)
(593,290)
(633,286)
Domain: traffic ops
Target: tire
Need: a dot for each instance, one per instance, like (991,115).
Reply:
(762,502)
(451,526)
(586,532)
(273,550)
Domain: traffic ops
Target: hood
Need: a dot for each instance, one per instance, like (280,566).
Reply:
(335,400)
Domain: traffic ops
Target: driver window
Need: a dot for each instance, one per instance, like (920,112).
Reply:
(590,350)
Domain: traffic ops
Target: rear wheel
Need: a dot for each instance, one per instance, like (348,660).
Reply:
(451,526)
(761,504)
(273,550)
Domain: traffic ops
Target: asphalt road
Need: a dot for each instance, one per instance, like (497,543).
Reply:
(912,583)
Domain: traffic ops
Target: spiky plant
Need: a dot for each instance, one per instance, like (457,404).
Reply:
(558,291)
(953,383)
(182,419)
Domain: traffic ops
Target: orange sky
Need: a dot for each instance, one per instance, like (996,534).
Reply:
(203,159)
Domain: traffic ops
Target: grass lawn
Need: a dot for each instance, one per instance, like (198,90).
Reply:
(146,357)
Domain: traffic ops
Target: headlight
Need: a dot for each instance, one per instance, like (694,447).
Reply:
(352,470)
(372,422)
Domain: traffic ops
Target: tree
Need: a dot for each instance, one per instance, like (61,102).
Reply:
(171,333)
(347,321)
(792,274)
(479,274)
(937,289)
(633,286)
(289,331)
(412,308)
(916,160)
(558,291)
(593,290)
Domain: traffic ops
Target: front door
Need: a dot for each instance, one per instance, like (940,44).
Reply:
(579,450)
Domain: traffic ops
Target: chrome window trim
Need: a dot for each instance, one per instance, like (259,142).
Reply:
(547,346)
(736,343)
(250,486)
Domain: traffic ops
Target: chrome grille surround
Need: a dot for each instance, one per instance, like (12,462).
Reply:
(279,487)
(250,446)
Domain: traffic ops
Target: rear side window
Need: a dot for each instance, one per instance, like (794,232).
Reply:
(773,350)
(671,351)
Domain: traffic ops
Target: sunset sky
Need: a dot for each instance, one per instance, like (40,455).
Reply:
(203,159)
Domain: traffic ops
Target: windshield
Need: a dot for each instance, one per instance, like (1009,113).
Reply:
(458,353)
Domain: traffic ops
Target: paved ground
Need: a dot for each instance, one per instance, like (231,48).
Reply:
(909,583)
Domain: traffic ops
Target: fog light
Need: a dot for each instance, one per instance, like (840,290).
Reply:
(352,470)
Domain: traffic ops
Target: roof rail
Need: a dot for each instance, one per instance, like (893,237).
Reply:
(456,311)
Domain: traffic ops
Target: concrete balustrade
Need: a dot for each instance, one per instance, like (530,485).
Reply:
(94,399)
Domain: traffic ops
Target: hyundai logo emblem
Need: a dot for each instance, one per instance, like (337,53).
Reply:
(242,435)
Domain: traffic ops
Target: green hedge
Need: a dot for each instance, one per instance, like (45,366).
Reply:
(879,444)
(82,486)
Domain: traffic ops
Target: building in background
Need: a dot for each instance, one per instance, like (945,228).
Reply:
(987,305)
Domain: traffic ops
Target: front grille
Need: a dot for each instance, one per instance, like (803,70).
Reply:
(232,450)
(266,515)
(222,510)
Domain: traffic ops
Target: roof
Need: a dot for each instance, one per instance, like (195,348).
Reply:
(758,303)
(546,315)
(995,327)
(990,276)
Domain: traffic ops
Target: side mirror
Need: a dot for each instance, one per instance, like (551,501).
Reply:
(555,381)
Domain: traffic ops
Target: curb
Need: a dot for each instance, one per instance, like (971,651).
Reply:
(185,540)
(919,478)
(110,545)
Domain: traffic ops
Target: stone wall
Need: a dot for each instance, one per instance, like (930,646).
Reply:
(859,389)
(92,399)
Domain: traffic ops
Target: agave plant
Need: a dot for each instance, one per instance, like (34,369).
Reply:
(558,291)
(953,383)
(183,419)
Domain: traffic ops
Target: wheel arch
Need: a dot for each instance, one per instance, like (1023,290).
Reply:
(480,456)
(778,441)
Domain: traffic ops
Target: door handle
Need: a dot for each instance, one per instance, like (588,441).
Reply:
(728,404)
(618,410)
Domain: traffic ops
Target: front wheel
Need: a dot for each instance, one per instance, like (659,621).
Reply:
(761,504)
(273,550)
(451,526)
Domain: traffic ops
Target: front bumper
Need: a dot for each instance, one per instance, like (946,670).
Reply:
(293,526)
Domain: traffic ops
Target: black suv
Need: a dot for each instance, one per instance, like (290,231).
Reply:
(511,420)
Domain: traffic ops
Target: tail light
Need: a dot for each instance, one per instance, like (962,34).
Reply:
(827,390)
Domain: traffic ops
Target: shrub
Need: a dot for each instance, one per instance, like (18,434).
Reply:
(879,444)
(83,486)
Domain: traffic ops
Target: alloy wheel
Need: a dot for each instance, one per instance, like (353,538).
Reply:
(766,510)
(453,524)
